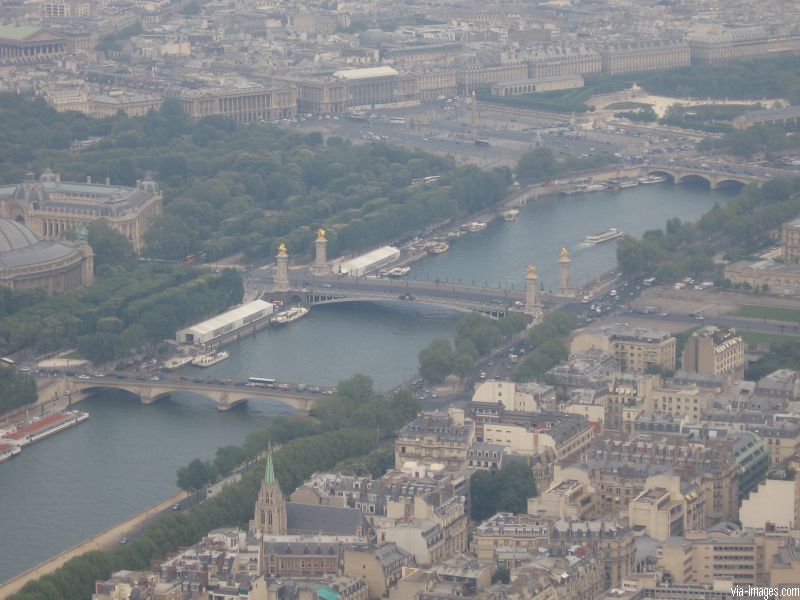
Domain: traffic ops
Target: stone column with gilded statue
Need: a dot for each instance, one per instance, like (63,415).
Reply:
(282,270)
(320,266)
(532,306)
(565,288)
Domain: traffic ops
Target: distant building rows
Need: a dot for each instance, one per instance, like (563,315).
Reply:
(391,74)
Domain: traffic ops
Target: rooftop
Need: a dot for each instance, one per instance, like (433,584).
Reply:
(18,32)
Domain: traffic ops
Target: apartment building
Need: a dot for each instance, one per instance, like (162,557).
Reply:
(505,530)
(566,499)
(434,437)
(714,351)
(636,348)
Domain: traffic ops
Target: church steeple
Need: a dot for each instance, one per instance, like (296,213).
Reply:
(270,513)
(269,471)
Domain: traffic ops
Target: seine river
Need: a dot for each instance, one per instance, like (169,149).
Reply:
(83,480)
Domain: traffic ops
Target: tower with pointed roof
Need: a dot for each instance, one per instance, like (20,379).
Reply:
(270,513)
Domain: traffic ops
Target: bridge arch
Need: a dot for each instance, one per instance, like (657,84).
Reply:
(224,398)
(662,173)
(696,179)
(730,184)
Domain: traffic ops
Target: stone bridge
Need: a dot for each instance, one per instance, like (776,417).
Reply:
(715,179)
(225,395)
(493,302)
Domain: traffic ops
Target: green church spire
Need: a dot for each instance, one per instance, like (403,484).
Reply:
(269,472)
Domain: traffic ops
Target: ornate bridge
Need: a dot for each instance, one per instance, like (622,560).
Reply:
(494,302)
(225,395)
(715,179)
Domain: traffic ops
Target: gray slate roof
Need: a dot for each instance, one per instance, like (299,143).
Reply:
(332,520)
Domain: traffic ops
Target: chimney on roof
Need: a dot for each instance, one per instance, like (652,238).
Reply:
(88,179)
(108,180)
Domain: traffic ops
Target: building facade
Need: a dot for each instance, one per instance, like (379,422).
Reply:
(27,262)
(51,208)
(714,351)
(242,103)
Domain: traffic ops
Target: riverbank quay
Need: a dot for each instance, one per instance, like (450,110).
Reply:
(104,540)
(50,400)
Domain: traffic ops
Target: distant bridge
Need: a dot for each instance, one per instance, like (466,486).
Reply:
(715,179)
(225,395)
(494,302)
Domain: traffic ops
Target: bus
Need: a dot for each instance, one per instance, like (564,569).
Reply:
(261,381)
(649,281)
(482,143)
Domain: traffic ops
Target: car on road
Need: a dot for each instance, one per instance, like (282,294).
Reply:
(155,378)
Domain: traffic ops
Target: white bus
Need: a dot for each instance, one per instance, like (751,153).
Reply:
(261,382)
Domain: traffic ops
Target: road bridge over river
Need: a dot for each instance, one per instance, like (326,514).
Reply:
(225,394)
(491,301)
(714,178)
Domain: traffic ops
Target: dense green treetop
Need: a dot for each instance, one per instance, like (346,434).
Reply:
(16,389)
(506,490)
(232,187)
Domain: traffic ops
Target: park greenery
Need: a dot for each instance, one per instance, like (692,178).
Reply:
(118,314)
(301,449)
(540,164)
(548,345)
(16,389)
(784,354)
(375,464)
(504,490)
(740,228)
(232,187)
(476,336)
(643,115)
(759,139)
(747,80)
(714,118)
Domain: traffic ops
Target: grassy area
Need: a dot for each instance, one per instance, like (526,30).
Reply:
(628,105)
(563,101)
(772,313)
(756,337)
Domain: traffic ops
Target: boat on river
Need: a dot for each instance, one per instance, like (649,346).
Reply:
(40,427)
(176,362)
(651,179)
(604,236)
(510,215)
(210,359)
(289,316)
(438,248)
(474,226)
(8,451)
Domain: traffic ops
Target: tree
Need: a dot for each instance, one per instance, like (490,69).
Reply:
(506,490)
(111,248)
(538,164)
(195,476)
(436,361)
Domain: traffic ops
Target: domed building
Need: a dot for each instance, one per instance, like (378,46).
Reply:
(51,207)
(27,262)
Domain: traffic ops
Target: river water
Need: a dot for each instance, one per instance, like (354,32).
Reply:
(83,480)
